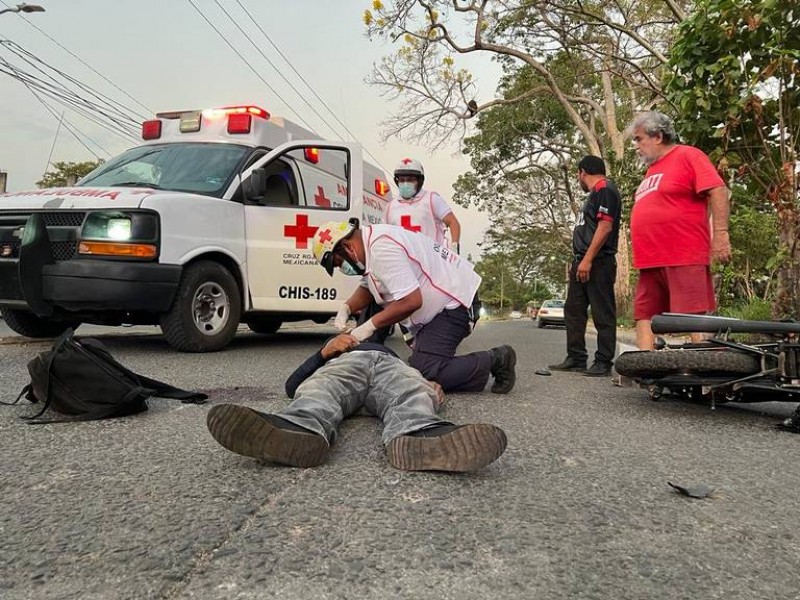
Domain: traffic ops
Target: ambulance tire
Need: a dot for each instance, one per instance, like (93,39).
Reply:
(30,325)
(205,312)
(266,326)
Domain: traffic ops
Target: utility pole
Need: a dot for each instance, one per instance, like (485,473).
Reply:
(3,181)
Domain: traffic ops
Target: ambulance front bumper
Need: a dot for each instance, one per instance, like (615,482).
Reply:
(91,284)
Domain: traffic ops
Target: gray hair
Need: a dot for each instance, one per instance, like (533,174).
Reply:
(653,123)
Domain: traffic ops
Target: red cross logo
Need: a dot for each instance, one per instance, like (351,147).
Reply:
(405,223)
(325,236)
(300,231)
(406,161)
(320,199)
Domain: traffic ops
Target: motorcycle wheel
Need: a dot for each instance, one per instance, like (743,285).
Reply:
(657,363)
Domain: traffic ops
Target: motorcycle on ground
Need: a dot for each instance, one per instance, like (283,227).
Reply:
(763,367)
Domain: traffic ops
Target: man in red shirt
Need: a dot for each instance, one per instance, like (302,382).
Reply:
(672,239)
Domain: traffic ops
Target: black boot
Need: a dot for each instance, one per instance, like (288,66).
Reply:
(504,359)
(447,447)
(599,369)
(570,364)
(266,436)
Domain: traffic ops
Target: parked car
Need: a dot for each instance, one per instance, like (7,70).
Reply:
(515,314)
(551,312)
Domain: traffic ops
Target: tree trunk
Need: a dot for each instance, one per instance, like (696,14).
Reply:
(787,301)
(622,287)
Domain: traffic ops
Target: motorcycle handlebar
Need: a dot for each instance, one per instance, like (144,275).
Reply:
(682,323)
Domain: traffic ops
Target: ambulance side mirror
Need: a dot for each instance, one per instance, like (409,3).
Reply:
(255,186)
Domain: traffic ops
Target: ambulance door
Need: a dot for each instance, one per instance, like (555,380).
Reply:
(304,184)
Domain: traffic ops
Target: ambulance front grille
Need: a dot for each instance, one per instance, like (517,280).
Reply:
(63,228)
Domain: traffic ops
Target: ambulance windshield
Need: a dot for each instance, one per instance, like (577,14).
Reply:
(199,168)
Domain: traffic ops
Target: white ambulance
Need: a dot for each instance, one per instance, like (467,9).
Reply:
(207,224)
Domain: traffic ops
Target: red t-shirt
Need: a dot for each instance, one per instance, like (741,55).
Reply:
(669,220)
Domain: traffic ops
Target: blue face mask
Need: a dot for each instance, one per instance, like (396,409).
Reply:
(407,189)
(348,269)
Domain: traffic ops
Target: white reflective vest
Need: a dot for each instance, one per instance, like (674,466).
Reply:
(417,214)
(399,261)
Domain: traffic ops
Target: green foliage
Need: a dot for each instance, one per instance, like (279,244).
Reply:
(65,173)
(748,277)
(736,83)
(755,310)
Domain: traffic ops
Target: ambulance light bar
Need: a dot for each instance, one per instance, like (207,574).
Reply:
(312,155)
(381,187)
(217,113)
(240,120)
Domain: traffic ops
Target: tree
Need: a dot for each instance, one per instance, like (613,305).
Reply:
(737,83)
(618,48)
(67,173)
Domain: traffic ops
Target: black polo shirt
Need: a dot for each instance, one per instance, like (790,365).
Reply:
(602,204)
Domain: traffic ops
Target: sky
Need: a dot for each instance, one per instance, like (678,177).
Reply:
(164,56)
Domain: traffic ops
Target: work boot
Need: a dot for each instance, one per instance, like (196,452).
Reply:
(266,436)
(598,369)
(446,447)
(504,360)
(570,364)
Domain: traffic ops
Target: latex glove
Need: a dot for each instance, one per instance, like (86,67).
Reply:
(340,321)
(363,331)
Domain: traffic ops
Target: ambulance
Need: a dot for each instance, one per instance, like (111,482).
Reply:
(207,224)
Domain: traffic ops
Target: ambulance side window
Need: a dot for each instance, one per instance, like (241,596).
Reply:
(281,185)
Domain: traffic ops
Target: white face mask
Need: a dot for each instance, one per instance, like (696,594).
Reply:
(407,189)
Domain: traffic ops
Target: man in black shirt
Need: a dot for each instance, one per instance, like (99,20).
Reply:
(593,272)
(338,381)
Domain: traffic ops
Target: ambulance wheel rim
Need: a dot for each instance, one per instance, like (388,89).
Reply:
(211,308)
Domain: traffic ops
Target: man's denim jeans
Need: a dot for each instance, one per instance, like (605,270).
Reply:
(379,383)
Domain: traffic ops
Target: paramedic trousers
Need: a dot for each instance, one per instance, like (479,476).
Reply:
(379,383)
(434,352)
(598,293)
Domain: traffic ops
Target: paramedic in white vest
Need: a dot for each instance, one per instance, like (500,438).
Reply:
(425,287)
(421,210)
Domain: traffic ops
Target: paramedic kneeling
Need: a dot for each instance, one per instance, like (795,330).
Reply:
(425,287)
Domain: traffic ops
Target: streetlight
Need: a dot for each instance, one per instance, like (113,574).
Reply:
(25,8)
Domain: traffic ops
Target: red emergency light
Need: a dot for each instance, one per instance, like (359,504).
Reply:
(151,130)
(235,110)
(381,187)
(239,122)
(312,155)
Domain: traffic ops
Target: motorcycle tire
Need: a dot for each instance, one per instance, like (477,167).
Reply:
(658,363)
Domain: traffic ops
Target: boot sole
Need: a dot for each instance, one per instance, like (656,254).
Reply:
(497,389)
(243,431)
(468,448)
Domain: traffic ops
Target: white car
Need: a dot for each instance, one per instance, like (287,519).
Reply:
(515,314)
(551,313)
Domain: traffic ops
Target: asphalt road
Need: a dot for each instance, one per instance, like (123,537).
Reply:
(578,507)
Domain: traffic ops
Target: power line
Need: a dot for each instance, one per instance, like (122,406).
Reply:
(55,93)
(303,79)
(84,63)
(68,126)
(116,121)
(277,70)
(53,146)
(232,47)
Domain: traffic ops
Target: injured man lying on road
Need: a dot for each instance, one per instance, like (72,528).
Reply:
(342,378)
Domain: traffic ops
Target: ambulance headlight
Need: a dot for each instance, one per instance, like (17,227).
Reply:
(119,229)
(121,226)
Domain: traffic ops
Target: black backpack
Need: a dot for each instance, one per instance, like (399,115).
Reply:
(81,381)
